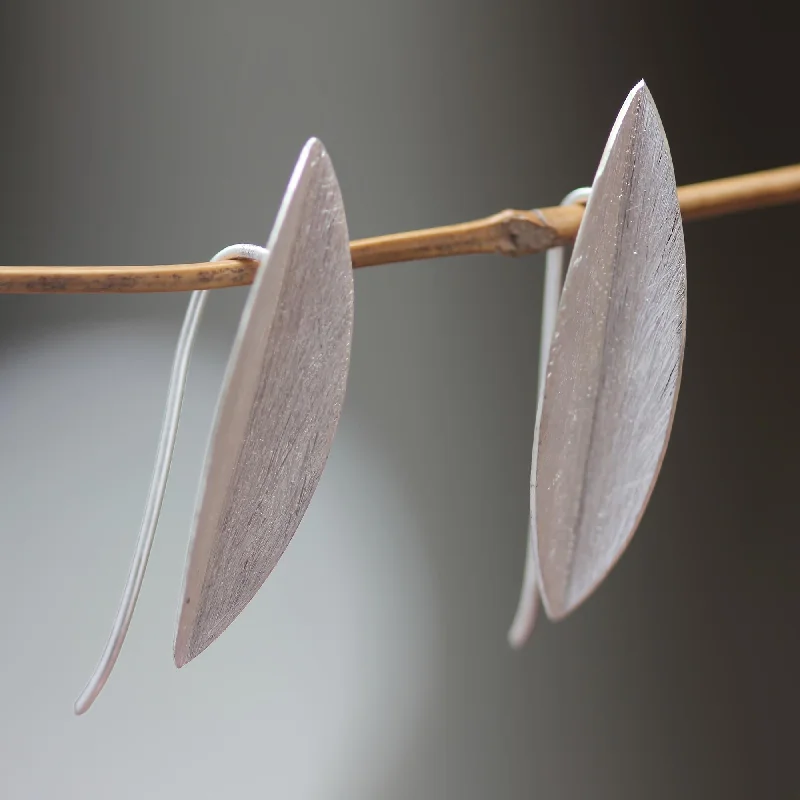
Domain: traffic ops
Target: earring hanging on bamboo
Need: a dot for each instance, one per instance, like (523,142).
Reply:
(612,379)
(278,412)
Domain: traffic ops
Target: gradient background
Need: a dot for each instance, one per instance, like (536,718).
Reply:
(374,663)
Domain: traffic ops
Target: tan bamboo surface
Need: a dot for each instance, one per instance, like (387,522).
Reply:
(509,233)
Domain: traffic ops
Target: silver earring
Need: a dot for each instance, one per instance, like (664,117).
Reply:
(279,406)
(613,371)
(275,421)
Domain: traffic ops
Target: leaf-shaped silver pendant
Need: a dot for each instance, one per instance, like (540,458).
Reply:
(615,364)
(278,409)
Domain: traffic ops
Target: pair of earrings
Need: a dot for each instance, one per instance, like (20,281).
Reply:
(606,397)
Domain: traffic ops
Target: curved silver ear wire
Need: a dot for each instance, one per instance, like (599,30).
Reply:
(528,606)
(158,482)
(279,406)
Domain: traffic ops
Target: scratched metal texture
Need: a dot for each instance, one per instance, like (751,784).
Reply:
(278,409)
(615,364)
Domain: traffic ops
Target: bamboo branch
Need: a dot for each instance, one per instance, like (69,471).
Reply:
(509,233)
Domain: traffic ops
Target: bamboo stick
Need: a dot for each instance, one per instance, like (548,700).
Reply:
(510,233)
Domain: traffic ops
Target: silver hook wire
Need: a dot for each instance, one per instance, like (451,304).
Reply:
(528,607)
(158,482)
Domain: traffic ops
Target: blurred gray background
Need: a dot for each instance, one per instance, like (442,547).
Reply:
(373,663)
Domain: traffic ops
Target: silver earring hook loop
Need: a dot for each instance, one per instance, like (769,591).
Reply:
(527,610)
(158,482)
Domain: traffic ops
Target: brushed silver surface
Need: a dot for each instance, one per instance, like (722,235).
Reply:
(278,409)
(615,363)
